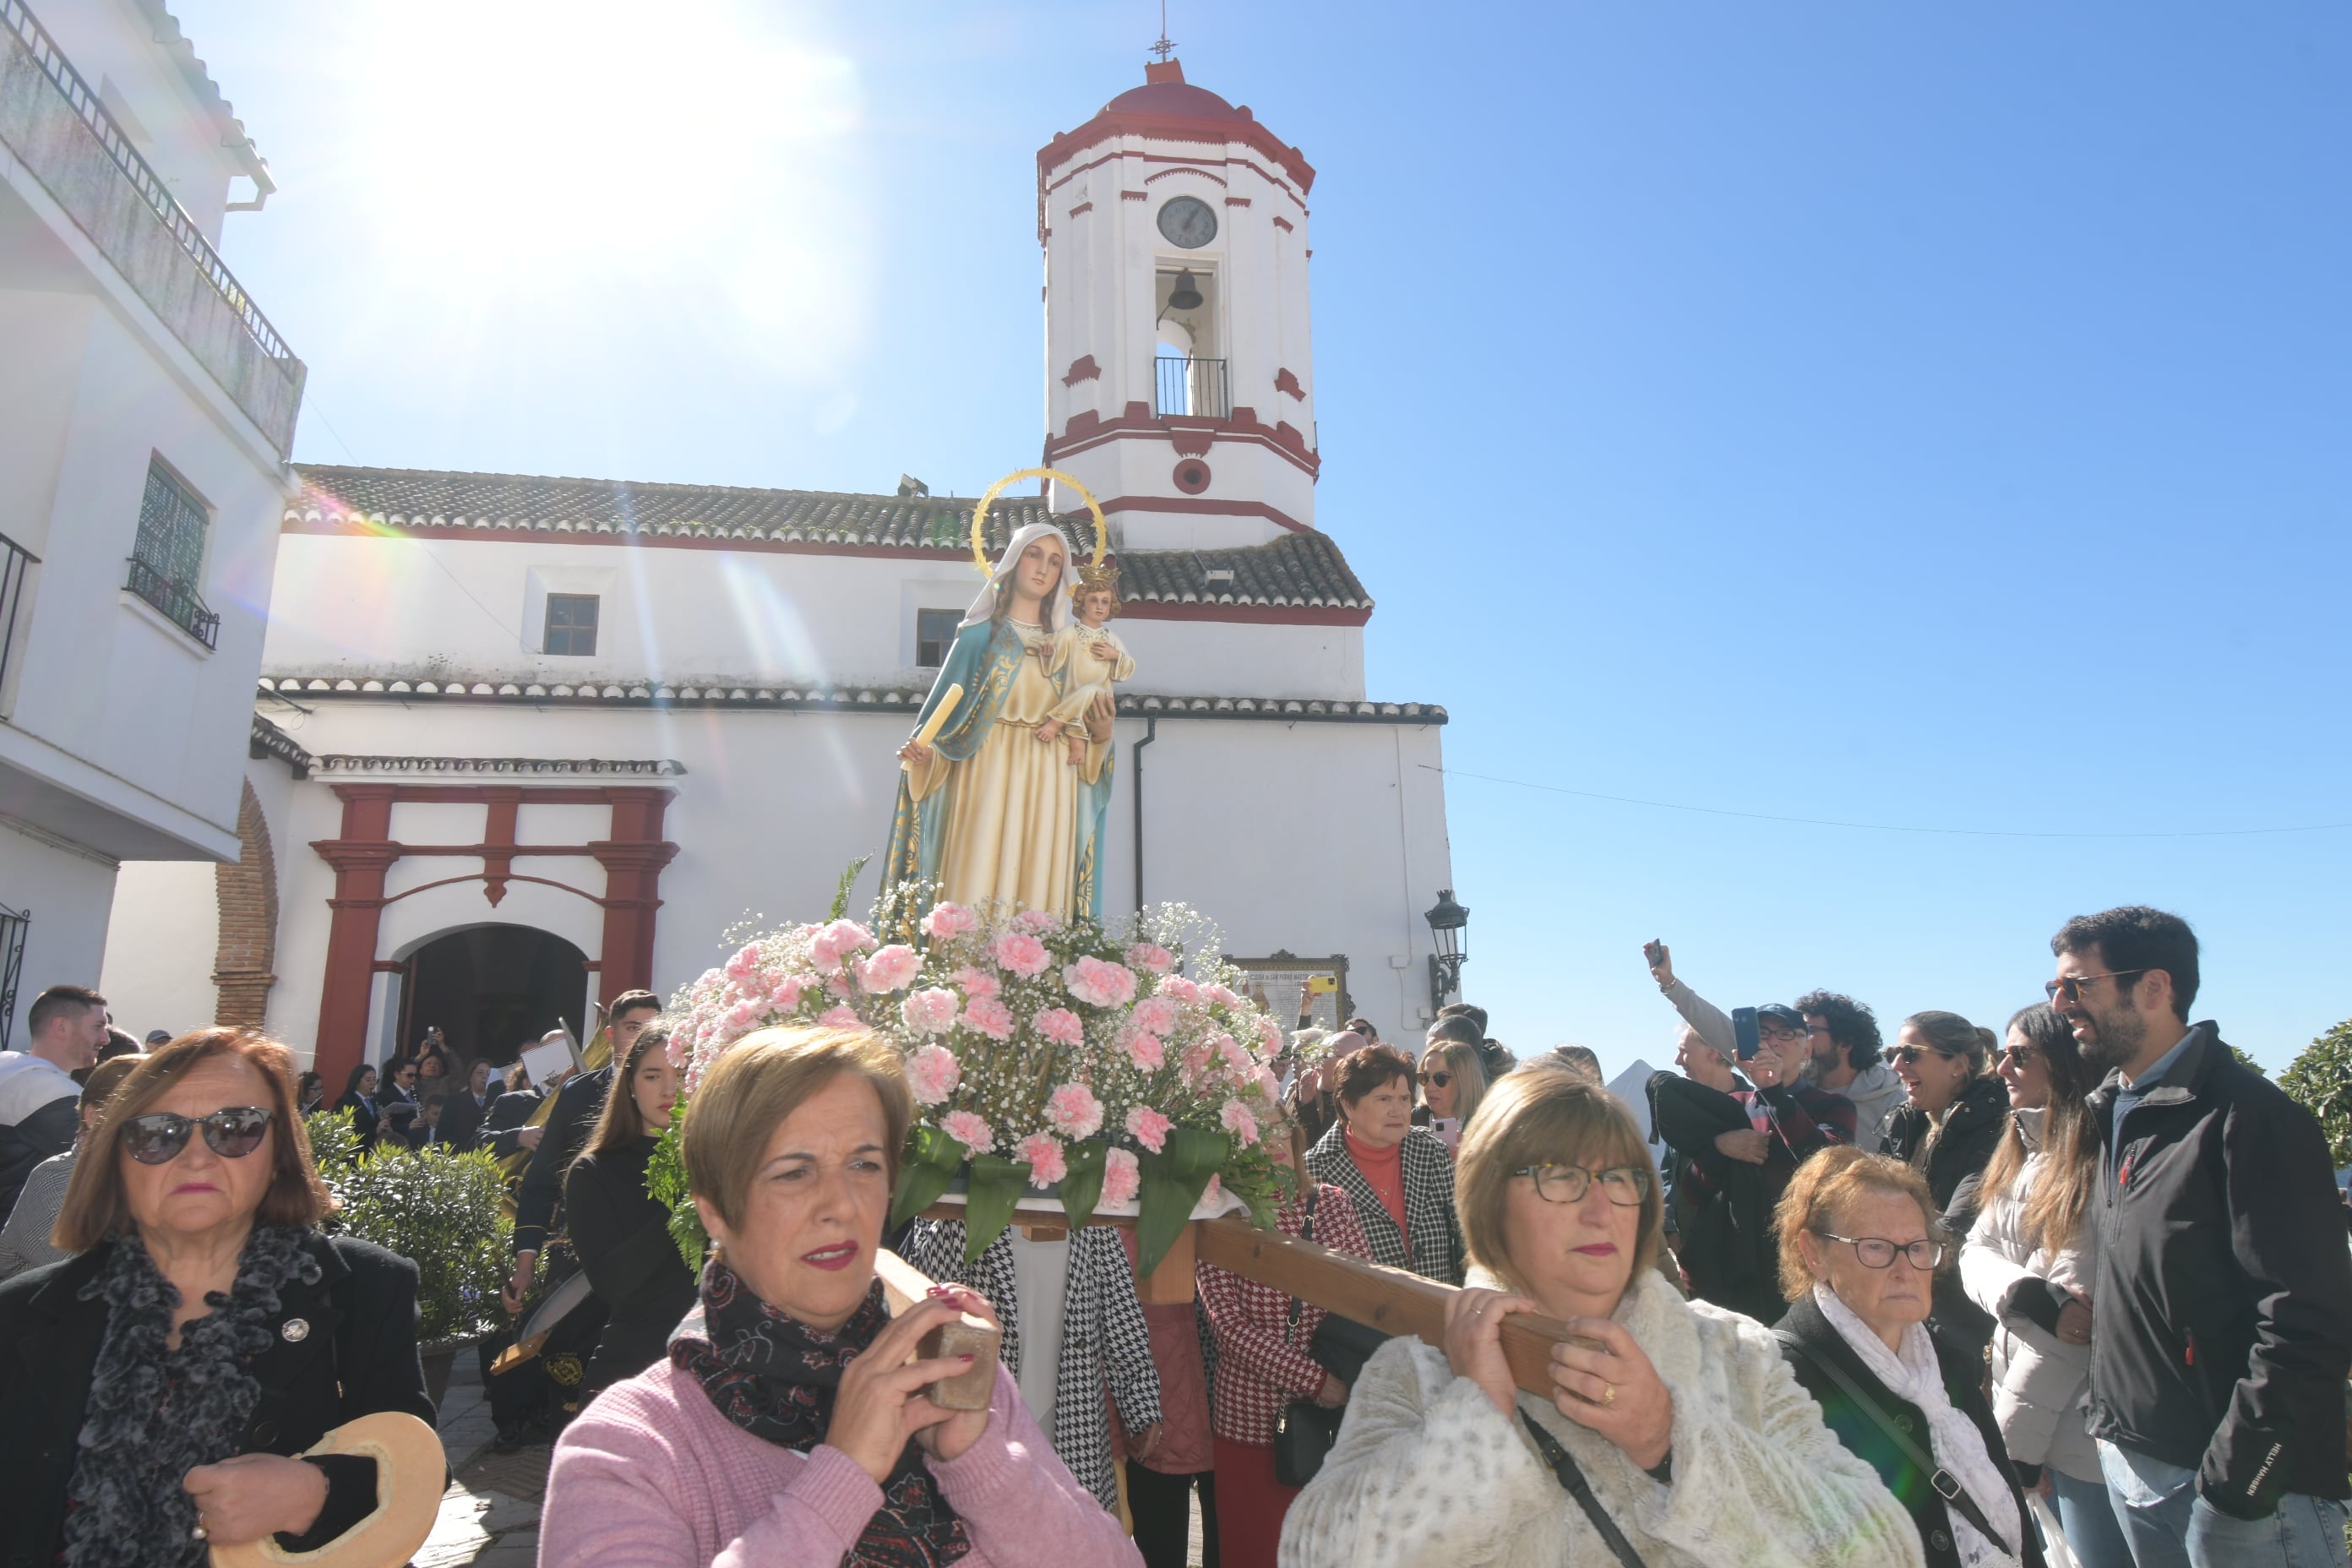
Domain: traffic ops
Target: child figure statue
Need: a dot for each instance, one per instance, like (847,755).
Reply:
(1088,657)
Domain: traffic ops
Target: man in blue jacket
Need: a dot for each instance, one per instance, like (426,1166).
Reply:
(2221,1320)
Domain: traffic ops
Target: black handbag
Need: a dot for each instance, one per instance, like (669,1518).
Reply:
(1305,1430)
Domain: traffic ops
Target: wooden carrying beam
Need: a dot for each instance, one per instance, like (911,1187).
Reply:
(904,1285)
(1392,1300)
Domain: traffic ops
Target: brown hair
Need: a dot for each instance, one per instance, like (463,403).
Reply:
(630,1001)
(2062,1190)
(764,1078)
(1951,1035)
(1823,1185)
(95,1208)
(621,1124)
(1546,1115)
(1361,1071)
(105,1081)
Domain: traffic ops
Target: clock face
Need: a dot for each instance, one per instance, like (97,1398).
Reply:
(1188,222)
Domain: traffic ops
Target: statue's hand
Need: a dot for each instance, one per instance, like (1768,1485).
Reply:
(915,752)
(1101,714)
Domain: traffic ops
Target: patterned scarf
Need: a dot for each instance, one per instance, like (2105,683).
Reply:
(775,1377)
(156,1414)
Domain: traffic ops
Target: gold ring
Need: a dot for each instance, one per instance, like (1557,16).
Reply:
(1608,1394)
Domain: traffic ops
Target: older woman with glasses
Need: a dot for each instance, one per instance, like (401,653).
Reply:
(162,1382)
(1860,1249)
(1678,1422)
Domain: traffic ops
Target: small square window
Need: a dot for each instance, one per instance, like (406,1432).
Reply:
(571,625)
(935,633)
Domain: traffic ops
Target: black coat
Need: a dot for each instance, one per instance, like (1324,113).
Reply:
(577,1105)
(462,1119)
(2225,1323)
(363,1120)
(1972,1131)
(309,1385)
(503,1123)
(1865,1439)
(622,1237)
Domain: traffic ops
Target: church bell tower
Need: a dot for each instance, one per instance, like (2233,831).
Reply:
(1180,375)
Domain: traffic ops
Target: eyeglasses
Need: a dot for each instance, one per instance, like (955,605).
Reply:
(157,1138)
(1625,1186)
(1783,1036)
(2020,1056)
(1878,1252)
(1436,1079)
(2071,987)
(1909,1055)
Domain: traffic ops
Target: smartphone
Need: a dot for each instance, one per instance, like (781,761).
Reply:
(1745,1039)
(1655,952)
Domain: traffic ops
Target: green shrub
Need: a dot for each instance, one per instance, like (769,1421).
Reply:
(440,1211)
(2321,1082)
(334,1144)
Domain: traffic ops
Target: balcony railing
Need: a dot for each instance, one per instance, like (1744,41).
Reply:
(158,195)
(16,565)
(1192,388)
(178,602)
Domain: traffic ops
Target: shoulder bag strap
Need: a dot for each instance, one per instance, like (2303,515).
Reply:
(1306,1233)
(1946,1485)
(1572,1481)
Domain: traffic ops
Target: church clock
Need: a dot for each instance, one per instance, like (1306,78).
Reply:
(1188,222)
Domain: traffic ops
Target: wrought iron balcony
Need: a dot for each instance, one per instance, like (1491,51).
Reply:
(16,563)
(1192,388)
(177,601)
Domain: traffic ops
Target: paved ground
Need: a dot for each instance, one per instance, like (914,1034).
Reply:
(489,1516)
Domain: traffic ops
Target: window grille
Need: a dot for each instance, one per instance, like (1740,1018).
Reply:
(570,625)
(935,633)
(167,562)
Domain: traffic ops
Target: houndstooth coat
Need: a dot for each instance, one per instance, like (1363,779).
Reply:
(1436,1251)
(1103,1335)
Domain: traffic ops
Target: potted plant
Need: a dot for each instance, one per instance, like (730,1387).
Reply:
(442,1212)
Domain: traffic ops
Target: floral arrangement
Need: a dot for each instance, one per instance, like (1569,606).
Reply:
(1044,1054)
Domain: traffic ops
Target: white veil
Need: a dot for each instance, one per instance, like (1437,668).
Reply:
(1049,613)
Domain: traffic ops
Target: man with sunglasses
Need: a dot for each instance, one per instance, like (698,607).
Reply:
(2222,1329)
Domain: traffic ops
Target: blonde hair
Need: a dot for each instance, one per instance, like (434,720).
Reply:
(96,1207)
(1469,1075)
(761,1080)
(1544,1115)
(1822,1187)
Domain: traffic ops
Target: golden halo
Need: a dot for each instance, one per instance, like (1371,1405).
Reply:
(980,513)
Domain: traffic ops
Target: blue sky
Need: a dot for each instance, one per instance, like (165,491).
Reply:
(1883,414)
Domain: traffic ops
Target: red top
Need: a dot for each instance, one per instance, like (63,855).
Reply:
(1384,1170)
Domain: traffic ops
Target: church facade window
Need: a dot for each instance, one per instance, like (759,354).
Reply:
(935,633)
(570,625)
(168,559)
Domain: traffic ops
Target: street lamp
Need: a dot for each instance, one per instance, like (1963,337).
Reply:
(1447,923)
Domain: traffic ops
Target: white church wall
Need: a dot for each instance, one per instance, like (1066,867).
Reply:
(160,943)
(67,892)
(383,607)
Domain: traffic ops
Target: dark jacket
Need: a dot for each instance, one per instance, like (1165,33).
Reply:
(364,1122)
(47,1131)
(577,1105)
(2225,1296)
(503,1123)
(1430,1245)
(462,1119)
(1865,1439)
(1723,1206)
(1955,1166)
(49,1338)
(622,1237)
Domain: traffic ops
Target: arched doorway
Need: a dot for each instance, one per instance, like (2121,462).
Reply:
(494,989)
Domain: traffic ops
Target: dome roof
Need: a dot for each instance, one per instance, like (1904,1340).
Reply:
(1177,99)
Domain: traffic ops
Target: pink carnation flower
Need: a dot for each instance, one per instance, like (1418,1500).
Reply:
(1146,956)
(1236,1120)
(1149,1128)
(1023,954)
(1154,1015)
(679,1051)
(1043,1153)
(969,1130)
(977,983)
(742,1017)
(1269,1088)
(1074,1111)
(744,965)
(1237,1060)
(1122,1177)
(1143,1050)
(1060,1025)
(1036,920)
(1221,996)
(841,1015)
(1197,1057)
(837,942)
(933,1073)
(786,995)
(991,1019)
(932,1011)
(837,987)
(1180,989)
(1099,984)
(948,920)
(892,969)
(1215,1192)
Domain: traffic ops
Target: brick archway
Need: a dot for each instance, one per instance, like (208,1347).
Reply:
(245,961)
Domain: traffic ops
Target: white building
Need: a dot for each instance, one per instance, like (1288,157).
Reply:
(146,411)
(559,734)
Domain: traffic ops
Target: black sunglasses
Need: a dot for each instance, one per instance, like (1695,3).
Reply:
(157,1138)
(1910,1055)
(1437,1080)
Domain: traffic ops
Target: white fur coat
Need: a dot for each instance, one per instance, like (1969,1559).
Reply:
(1427,1471)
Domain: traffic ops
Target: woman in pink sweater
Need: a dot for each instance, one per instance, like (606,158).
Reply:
(788,1424)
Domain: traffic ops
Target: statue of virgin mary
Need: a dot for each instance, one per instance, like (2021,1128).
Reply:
(987,812)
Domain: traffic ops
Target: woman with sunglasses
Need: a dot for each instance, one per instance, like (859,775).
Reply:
(1860,1249)
(1955,1115)
(1697,1446)
(163,1381)
(2029,1262)
(1453,1082)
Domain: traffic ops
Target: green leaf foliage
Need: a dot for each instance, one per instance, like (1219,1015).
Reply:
(666,1185)
(334,1144)
(1173,1181)
(2320,1080)
(996,1184)
(2248,1062)
(840,889)
(440,1211)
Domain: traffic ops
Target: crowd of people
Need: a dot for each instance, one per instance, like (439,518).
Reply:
(2080,1293)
